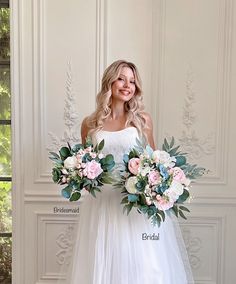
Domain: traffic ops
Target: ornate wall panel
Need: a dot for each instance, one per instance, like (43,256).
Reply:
(193,69)
(185,51)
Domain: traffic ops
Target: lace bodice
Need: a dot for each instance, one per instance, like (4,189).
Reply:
(117,143)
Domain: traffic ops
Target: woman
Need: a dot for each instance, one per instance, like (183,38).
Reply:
(111,247)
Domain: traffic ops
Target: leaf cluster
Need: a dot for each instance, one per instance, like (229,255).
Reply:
(76,183)
(191,171)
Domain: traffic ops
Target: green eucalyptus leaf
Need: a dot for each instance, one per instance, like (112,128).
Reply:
(56,174)
(126,158)
(124,200)
(66,192)
(162,214)
(97,189)
(142,199)
(180,161)
(55,155)
(75,196)
(181,214)
(64,153)
(101,145)
(92,191)
(109,159)
(183,208)
(175,210)
(184,196)
(173,152)
(172,142)
(166,145)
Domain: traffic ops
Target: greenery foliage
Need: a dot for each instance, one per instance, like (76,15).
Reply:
(139,191)
(5,148)
(4,33)
(74,177)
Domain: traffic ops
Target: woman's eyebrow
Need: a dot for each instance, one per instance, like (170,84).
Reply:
(127,77)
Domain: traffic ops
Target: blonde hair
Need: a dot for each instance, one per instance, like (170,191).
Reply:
(134,107)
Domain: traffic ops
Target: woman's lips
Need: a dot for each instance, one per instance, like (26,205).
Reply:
(125,92)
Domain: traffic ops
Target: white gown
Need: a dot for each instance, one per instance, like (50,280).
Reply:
(110,246)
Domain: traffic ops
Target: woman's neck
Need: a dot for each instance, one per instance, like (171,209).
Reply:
(118,111)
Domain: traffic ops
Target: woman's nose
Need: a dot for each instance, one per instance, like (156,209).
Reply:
(126,84)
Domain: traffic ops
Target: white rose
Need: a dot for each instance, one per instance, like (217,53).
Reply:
(70,162)
(130,185)
(155,156)
(64,171)
(145,171)
(186,181)
(176,187)
(100,156)
(149,200)
(147,190)
(171,195)
(163,157)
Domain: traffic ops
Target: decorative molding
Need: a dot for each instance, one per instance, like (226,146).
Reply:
(193,246)
(71,118)
(63,242)
(221,133)
(65,245)
(101,41)
(194,146)
(41,176)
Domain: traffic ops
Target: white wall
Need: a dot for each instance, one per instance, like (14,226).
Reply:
(186,54)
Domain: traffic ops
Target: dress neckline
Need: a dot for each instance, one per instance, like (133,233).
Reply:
(118,130)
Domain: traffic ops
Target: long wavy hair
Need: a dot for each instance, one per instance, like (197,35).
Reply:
(134,107)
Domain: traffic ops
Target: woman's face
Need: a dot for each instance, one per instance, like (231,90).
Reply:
(124,87)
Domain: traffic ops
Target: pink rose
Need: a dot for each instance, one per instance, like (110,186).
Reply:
(93,155)
(163,202)
(133,165)
(178,174)
(154,177)
(93,169)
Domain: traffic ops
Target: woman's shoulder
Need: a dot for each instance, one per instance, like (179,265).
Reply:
(148,129)
(147,118)
(84,128)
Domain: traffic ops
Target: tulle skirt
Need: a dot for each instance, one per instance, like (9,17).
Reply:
(113,248)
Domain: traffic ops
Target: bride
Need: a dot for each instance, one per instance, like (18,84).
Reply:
(111,247)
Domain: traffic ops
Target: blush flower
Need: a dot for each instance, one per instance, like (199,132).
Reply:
(163,202)
(133,165)
(178,174)
(154,178)
(93,169)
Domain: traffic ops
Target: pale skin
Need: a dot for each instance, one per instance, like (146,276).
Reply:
(123,89)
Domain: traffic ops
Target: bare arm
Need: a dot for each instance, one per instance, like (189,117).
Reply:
(149,130)
(84,130)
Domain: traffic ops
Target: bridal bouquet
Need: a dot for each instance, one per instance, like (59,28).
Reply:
(155,182)
(81,167)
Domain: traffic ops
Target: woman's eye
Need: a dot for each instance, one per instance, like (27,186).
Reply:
(120,79)
(132,82)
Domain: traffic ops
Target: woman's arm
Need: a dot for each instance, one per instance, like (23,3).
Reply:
(84,130)
(149,130)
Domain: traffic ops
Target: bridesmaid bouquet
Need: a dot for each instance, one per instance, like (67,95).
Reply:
(81,167)
(155,182)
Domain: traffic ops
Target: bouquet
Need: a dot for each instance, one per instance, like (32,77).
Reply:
(81,167)
(155,182)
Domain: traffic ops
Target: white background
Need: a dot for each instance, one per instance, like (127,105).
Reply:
(186,53)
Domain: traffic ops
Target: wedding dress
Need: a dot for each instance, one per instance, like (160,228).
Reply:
(113,248)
